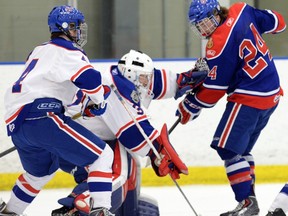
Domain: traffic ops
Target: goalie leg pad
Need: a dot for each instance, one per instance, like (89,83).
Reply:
(147,206)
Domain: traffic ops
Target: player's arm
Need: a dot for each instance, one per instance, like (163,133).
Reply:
(164,84)
(89,81)
(168,84)
(132,139)
(191,80)
(210,91)
(270,21)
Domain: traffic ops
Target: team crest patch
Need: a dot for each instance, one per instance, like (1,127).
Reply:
(210,43)
(114,71)
(135,97)
(11,127)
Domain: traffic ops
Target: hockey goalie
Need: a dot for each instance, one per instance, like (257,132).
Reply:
(137,82)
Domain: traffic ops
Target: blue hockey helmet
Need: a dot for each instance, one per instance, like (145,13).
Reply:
(201,10)
(65,18)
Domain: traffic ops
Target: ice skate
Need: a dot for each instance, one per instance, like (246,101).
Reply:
(276,212)
(100,212)
(248,207)
(65,211)
(3,211)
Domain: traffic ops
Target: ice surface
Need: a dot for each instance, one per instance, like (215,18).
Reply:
(207,200)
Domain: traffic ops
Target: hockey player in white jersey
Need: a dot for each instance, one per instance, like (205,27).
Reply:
(135,82)
(36,122)
(279,205)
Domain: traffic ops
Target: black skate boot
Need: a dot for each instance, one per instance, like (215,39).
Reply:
(276,212)
(100,212)
(65,211)
(248,207)
(3,211)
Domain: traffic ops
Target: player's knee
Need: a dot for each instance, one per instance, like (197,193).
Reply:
(37,182)
(108,154)
(225,154)
(104,161)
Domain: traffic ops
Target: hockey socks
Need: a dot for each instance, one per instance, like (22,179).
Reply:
(239,174)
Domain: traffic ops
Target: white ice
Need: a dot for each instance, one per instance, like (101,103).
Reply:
(206,200)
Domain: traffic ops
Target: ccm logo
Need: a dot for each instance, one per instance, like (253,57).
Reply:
(52,105)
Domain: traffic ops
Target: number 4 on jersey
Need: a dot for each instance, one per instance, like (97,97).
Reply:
(17,85)
(213,73)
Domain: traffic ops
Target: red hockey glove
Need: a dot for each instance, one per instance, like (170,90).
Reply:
(188,110)
(90,109)
(170,163)
(192,79)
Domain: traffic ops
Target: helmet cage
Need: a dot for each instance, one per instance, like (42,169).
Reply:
(202,16)
(142,82)
(138,68)
(205,27)
(81,34)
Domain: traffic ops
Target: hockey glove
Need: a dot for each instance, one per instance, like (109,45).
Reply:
(90,109)
(190,80)
(188,110)
(170,163)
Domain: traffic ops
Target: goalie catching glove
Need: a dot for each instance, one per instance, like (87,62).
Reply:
(90,109)
(190,80)
(169,163)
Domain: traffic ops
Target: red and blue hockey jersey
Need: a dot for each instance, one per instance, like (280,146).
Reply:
(239,60)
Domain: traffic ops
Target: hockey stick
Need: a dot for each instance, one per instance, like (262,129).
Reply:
(2,154)
(174,125)
(113,87)
(176,183)
(7,151)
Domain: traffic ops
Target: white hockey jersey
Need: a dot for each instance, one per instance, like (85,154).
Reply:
(116,121)
(55,69)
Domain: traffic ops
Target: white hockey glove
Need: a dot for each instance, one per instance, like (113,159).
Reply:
(90,109)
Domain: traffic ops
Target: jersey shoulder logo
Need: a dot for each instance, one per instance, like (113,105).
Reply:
(210,43)
(135,97)
(83,58)
(114,71)
(11,127)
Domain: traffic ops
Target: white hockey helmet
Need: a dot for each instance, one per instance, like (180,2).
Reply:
(138,68)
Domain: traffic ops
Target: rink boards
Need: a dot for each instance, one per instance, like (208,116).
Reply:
(191,141)
(197,176)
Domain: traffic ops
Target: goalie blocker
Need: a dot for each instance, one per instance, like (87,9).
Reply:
(169,163)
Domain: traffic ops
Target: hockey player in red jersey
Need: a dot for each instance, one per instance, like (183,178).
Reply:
(240,65)
(137,82)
